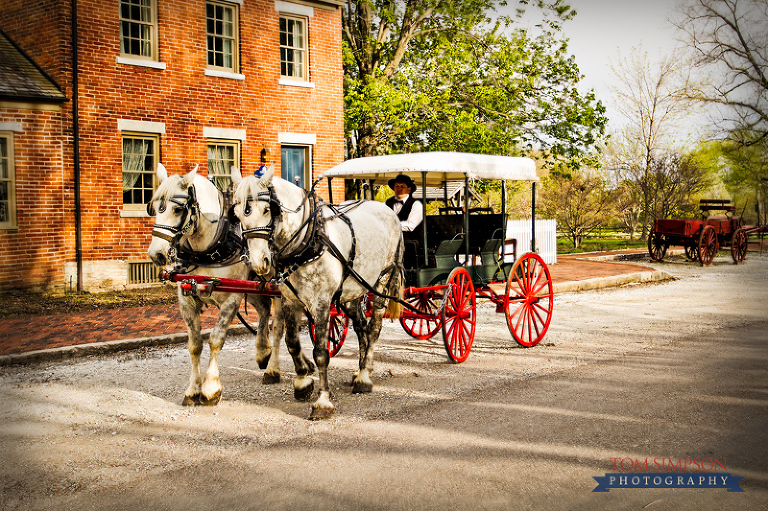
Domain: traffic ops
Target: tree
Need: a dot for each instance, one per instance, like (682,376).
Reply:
(439,75)
(729,39)
(650,100)
(580,202)
(746,174)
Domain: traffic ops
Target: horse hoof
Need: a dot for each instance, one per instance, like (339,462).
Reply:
(263,363)
(359,387)
(270,379)
(319,414)
(211,401)
(304,393)
(191,400)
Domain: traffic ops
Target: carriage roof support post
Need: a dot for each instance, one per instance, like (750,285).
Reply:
(424,214)
(330,191)
(466,219)
(533,216)
(503,219)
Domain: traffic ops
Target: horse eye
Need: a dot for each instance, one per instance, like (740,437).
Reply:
(266,210)
(178,210)
(247,209)
(161,209)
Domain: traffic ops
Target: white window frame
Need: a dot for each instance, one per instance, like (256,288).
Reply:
(303,69)
(236,146)
(153,37)
(224,71)
(139,209)
(10,179)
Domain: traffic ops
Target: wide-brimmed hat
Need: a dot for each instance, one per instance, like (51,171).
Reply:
(402,178)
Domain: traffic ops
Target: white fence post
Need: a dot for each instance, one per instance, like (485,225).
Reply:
(546,239)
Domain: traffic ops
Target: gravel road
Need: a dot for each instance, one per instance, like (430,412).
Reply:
(650,371)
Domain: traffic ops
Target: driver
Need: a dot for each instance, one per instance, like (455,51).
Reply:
(409,210)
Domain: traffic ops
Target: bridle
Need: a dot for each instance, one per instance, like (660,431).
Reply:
(190,207)
(308,250)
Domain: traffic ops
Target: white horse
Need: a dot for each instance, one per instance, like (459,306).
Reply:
(192,229)
(320,252)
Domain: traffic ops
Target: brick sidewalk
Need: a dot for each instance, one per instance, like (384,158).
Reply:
(57,331)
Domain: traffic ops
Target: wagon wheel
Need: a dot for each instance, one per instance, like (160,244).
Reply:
(459,315)
(529,300)
(708,246)
(420,328)
(338,326)
(739,245)
(656,246)
(692,252)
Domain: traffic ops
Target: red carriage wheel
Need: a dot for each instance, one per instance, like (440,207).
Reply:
(338,327)
(421,328)
(692,252)
(656,246)
(529,300)
(708,246)
(739,245)
(459,315)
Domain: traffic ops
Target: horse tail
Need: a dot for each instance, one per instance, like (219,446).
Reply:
(394,308)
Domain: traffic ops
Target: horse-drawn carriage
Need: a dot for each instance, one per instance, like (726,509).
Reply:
(460,256)
(343,263)
(701,238)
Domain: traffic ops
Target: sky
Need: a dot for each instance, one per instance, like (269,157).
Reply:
(604,31)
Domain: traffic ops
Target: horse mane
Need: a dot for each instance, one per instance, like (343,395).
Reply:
(170,187)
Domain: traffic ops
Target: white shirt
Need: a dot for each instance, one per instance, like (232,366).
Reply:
(414,219)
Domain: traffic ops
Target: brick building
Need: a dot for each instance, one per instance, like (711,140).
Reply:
(94,100)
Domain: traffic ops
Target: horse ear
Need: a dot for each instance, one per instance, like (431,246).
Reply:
(268,175)
(191,175)
(162,173)
(235,174)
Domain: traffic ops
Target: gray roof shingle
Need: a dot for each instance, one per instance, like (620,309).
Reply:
(23,80)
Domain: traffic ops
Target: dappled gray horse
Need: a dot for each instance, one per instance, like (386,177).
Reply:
(192,225)
(322,254)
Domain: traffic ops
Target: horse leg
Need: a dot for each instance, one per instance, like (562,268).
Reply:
(362,382)
(354,310)
(263,347)
(211,390)
(323,408)
(303,385)
(268,354)
(190,311)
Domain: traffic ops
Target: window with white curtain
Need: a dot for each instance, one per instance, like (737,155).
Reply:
(139,164)
(222,156)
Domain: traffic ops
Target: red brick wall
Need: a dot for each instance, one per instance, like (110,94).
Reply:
(34,254)
(181,97)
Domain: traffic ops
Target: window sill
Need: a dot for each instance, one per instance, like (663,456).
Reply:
(224,74)
(127,213)
(140,62)
(296,83)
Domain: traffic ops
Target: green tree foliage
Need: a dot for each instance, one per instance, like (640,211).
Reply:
(440,75)
(580,202)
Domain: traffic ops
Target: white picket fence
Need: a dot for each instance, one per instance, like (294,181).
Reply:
(546,239)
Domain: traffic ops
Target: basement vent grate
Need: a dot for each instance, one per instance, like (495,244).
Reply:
(143,272)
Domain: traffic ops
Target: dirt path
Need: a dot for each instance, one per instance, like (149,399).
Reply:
(670,370)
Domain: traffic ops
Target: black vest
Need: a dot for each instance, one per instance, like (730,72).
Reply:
(405,210)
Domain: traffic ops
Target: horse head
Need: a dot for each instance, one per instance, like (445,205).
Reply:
(178,205)
(257,209)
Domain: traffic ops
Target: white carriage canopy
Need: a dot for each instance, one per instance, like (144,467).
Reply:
(439,167)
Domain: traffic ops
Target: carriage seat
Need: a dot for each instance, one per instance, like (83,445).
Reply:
(445,253)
